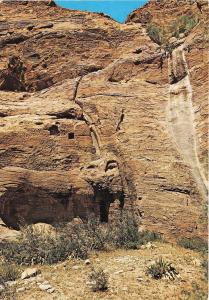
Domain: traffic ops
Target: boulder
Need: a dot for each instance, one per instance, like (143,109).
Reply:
(30,272)
(173,40)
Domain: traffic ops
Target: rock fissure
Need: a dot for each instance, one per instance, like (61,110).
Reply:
(93,130)
(106,190)
(181,115)
(76,88)
(177,190)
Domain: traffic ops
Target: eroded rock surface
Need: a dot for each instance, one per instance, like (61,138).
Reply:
(92,130)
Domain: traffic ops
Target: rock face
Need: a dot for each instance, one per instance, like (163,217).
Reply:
(101,118)
(152,11)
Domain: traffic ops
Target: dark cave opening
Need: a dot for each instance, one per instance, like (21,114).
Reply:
(104,198)
(54,130)
(71,135)
(104,211)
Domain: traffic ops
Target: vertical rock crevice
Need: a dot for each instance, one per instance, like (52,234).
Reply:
(180,116)
(106,179)
(93,130)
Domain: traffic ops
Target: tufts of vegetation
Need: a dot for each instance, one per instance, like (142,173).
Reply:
(161,268)
(8,272)
(156,34)
(125,232)
(149,236)
(33,248)
(195,243)
(98,280)
(95,234)
(183,24)
(74,240)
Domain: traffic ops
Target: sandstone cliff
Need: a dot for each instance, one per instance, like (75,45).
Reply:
(96,116)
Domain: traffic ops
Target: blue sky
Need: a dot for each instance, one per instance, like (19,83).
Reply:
(118,9)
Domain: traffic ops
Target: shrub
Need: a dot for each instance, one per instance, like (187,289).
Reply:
(33,248)
(156,34)
(76,240)
(95,234)
(90,235)
(161,268)
(149,236)
(8,272)
(125,232)
(195,243)
(184,24)
(39,247)
(71,244)
(98,280)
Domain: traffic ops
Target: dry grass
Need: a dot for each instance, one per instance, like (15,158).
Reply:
(70,283)
(8,272)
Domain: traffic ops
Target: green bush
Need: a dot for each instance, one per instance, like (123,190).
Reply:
(74,240)
(125,232)
(90,234)
(95,234)
(8,272)
(156,33)
(195,243)
(149,236)
(33,248)
(161,268)
(98,280)
(184,24)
